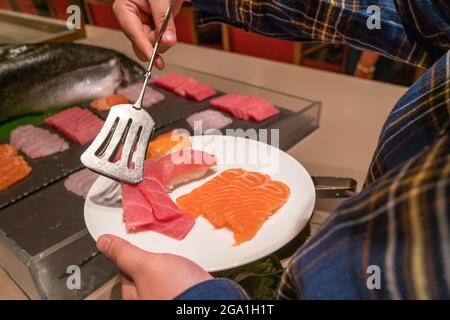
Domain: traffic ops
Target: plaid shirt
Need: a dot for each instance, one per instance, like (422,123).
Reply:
(400,221)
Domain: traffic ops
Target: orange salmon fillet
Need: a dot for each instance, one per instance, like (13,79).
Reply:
(237,199)
(106,103)
(167,143)
(13,167)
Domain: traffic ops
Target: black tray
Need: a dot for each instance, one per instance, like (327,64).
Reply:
(168,114)
(46,171)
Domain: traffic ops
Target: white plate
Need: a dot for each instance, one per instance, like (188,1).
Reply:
(213,248)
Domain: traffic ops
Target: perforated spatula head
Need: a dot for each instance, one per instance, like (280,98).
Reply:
(125,127)
(128,127)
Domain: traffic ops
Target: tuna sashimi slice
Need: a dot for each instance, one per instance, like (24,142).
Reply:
(179,167)
(200,92)
(245,107)
(171,81)
(208,119)
(80,182)
(137,211)
(77,124)
(182,89)
(151,96)
(163,207)
(176,228)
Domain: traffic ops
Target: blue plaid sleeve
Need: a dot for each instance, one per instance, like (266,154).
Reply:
(216,289)
(399,37)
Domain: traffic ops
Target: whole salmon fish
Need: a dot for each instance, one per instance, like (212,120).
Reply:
(40,77)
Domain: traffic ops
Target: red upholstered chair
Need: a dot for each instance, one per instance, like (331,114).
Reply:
(26,6)
(5,5)
(100,13)
(240,41)
(58,8)
(186,26)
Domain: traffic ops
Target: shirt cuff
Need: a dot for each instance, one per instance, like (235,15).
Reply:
(215,289)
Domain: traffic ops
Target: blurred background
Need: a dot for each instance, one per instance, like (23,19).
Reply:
(332,58)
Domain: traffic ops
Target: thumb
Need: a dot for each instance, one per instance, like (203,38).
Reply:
(125,255)
(159,9)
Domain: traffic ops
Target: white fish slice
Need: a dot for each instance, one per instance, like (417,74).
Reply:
(127,125)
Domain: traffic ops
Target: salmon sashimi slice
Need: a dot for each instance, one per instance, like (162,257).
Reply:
(169,142)
(237,199)
(7,151)
(13,167)
(106,103)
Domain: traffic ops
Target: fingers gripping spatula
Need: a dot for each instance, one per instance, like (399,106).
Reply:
(127,125)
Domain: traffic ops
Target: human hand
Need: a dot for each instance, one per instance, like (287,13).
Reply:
(141,21)
(146,275)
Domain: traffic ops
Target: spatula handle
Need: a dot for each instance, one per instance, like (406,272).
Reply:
(138,104)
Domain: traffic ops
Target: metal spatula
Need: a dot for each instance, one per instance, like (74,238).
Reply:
(127,125)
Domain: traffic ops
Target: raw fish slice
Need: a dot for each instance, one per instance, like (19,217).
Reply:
(163,207)
(237,199)
(182,89)
(171,81)
(200,92)
(176,228)
(151,96)
(77,124)
(137,211)
(80,182)
(209,119)
(245,107)
(106,103)
(36,142)
(167,143)
(51,145)
(7,151)
(263,111)
(13,168)
(179,167)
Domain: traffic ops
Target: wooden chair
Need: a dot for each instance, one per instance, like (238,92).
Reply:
(58,8)
(240,41)
(100,13)
(25,6)
(309,61)
(5,5)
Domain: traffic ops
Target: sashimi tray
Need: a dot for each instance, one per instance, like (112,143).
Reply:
(42,229)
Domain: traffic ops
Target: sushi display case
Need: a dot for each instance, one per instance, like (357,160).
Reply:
(42,229)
